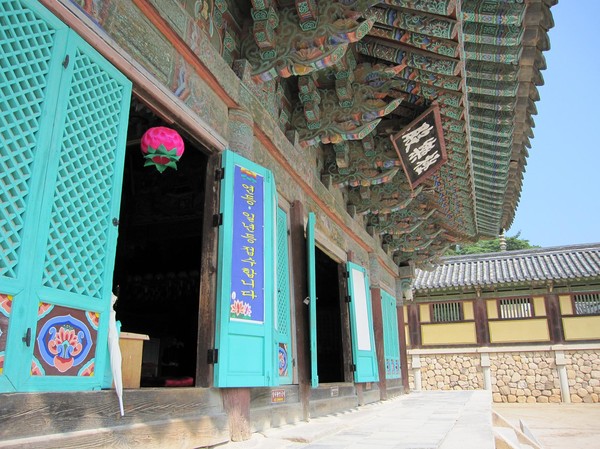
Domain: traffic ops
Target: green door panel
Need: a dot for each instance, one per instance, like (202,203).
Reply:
(312,298)
(245,278)
(361,324)
(283,320)
(391,346)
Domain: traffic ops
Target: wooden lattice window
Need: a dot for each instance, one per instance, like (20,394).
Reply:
(445,312)
(515,308)
(587,303)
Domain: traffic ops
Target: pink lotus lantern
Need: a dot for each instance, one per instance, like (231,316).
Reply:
(162,148)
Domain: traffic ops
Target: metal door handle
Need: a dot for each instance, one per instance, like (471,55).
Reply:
(27,338)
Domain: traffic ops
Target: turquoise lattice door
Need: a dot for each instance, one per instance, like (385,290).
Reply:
(391,345)
(361,325)
(64,112)
(283,314)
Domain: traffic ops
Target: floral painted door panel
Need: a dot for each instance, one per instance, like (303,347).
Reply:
(64,113)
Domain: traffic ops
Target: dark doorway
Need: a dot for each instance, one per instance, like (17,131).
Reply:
(157,269)
(329,324)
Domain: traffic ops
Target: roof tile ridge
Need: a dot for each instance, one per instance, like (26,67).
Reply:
(521,252)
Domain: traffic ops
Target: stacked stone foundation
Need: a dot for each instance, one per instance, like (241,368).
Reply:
(514,374)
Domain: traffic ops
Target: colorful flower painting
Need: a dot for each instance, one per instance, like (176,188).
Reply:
(240,309)
(65,340)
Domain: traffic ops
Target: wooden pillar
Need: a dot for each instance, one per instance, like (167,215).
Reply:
(414,325)
(554,318)
(481,322)
(403,285)
(378,333)
(360,393)
(299,281)
(236,402)
(402,340)
(378,322)
(208,276)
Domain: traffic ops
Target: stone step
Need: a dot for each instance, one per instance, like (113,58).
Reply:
(510,437)
(506,438)
(528,433)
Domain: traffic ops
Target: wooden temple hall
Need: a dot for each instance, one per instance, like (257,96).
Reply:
(212,210)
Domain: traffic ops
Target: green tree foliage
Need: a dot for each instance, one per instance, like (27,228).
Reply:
(491,246)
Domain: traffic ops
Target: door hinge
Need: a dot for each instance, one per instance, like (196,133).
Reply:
(348,298)
(217,220)
(212,357)
(353,366)
(219,174)
(346,274)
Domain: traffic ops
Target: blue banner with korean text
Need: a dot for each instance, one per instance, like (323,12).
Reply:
(247,299)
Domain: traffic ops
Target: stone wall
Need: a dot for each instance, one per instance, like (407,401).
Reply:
(517,374)
(524,377)
(450,372)
(583,374)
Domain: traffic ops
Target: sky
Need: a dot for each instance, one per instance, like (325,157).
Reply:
(560,199)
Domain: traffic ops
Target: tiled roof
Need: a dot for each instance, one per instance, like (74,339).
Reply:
(538,265)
